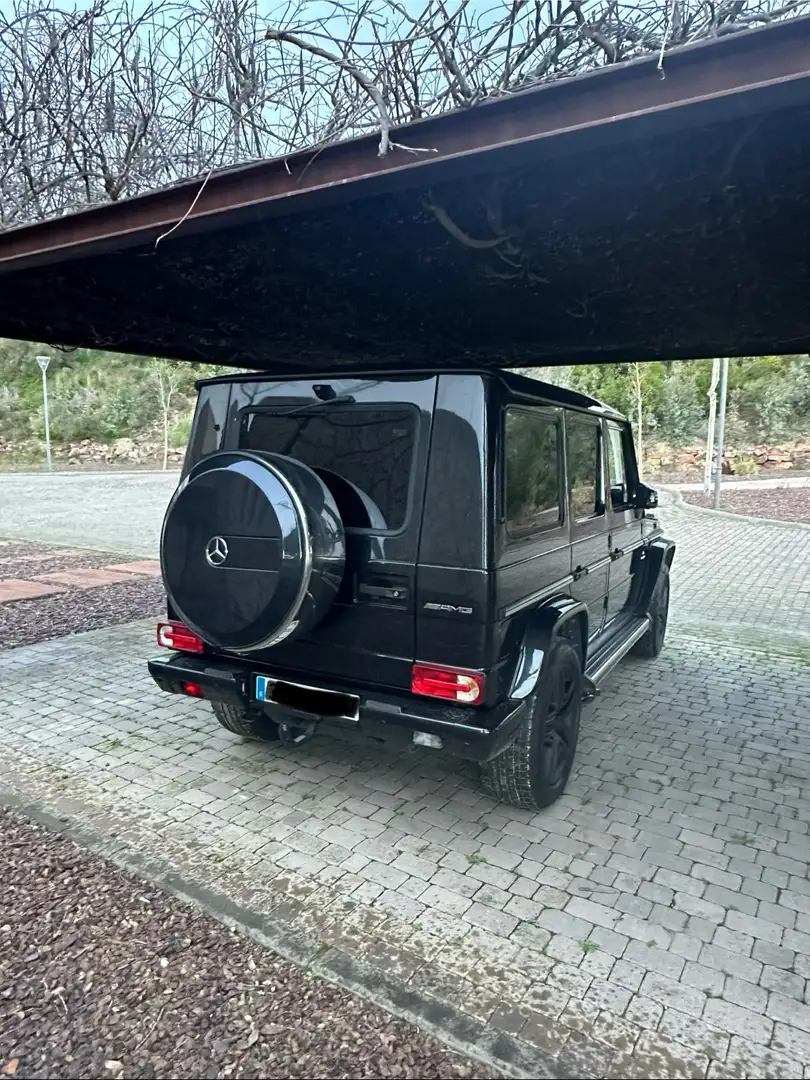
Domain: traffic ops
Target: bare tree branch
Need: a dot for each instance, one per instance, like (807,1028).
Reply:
(103,101)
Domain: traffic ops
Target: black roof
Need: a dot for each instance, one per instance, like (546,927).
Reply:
(519,385)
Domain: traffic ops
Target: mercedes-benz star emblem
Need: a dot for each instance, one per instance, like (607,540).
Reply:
(216,551)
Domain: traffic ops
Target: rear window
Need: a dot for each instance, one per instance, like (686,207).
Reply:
(364,454)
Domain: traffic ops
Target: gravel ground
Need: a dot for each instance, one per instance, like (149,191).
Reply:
(102,975)
(781,504)
(19,558)
(24,622)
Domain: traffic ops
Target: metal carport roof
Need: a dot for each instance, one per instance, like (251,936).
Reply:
(628,214)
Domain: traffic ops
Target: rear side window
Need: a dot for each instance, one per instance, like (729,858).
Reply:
(532,481)
(584,468)
(363,454)
(617,468)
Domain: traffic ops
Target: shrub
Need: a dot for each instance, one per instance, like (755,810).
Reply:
(14,415)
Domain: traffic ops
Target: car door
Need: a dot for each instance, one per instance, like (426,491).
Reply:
(590,548)
(625,537)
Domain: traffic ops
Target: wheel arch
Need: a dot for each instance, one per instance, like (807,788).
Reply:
(557,618)
(658,560)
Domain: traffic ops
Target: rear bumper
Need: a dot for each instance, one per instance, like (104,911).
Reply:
(475,734)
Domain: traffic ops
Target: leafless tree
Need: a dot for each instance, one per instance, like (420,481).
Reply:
(104,101)
(165,377)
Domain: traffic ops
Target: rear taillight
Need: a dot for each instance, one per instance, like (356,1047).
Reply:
(173,635)
(191,689)
(449,684)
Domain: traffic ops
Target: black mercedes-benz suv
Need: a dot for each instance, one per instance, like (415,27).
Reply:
(454,561)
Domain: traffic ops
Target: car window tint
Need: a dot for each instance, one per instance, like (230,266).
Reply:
(584,468)
(617,471)
(363,454)
(532,481)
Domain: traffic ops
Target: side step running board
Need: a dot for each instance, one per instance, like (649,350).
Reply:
(605,661)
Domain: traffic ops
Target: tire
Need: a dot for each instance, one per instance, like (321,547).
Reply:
(533,770)
(653,641)
(252,550)
(241,722)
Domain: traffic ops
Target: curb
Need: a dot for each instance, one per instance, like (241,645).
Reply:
(481,1042)
(682,504)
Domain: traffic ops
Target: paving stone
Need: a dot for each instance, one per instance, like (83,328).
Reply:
(751,1059)
(757,928)
(146,567)
(85,579)
(14,589)
(657,1057)
(592,912)
(570,979)
(458,883)
(783,982)
(496,922)
(608,940)
(694,1033)
(445,900)
(608,995)
(744,993)
(788,1011)
(791,1041)
(652,958)
(673,994)
(620,1034)
(709,980)
(650,933)
(564,948)
(733,940)
(560,922)
(738,1021)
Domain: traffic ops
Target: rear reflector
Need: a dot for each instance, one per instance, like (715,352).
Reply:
(173,635)
(192,689)
(450,684)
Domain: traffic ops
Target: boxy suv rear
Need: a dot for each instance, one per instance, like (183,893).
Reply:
(449,561)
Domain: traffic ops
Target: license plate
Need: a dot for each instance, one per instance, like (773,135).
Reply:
(311,700)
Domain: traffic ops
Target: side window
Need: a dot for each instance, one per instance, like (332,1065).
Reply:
(617,469)
(584,454)
(532,471)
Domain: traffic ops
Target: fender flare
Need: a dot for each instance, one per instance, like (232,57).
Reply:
(546,625)
(658,558)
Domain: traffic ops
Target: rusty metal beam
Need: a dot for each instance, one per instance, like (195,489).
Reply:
(751,71)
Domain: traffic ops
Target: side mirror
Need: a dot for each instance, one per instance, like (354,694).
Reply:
(646,498)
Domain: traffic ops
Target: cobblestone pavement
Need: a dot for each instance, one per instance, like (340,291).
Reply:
(653,923)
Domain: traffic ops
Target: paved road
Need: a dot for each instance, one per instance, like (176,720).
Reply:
(120,512)
(655,922)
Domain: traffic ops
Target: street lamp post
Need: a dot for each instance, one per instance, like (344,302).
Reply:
(721,432)
(43,362)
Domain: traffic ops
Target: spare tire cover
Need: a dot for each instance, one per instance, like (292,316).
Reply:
(252,550)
